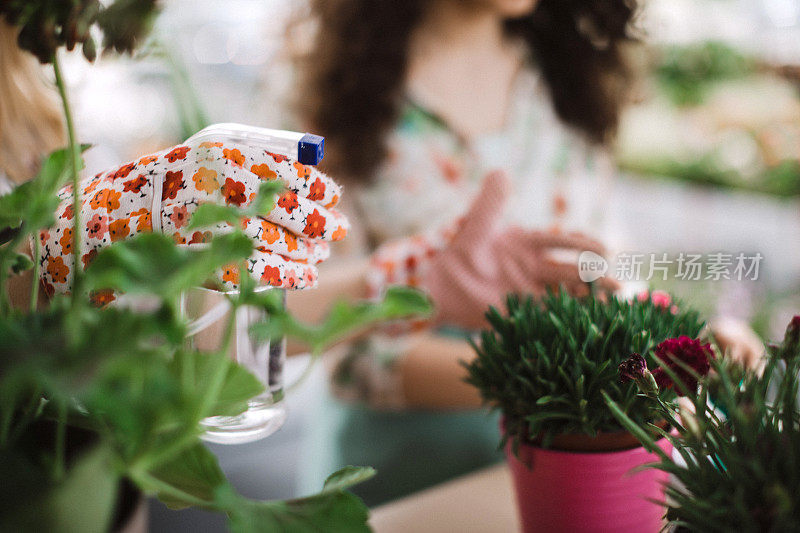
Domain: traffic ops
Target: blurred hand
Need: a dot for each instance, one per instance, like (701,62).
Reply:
(160,192)
(483,262)
(739,342)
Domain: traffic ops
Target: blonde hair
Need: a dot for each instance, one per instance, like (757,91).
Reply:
(30,118)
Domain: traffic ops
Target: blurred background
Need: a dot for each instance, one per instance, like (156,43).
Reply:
(708,156)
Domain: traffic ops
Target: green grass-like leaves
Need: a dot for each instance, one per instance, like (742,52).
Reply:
(546,364)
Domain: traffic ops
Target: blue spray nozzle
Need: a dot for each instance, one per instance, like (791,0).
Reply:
(310,149)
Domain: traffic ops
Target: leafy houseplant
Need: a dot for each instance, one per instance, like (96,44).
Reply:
(546,365)
(95,399)
(739,440)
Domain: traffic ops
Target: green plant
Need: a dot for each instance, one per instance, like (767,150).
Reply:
(545,363)
(685,73)
(738,437)
(93,396)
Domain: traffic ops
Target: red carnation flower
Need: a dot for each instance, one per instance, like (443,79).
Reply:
(689,352)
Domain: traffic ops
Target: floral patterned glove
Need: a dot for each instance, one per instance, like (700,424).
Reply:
(468,269)
(159,192)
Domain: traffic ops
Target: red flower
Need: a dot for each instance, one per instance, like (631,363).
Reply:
(288,201)
(124,171)
(277,157)
(135,185)
(317,191)
(97,226)
(176,153)
(102,298)
(689,352)
(179,216)
(291,279)
(173,182)
(315,225)
(67,212)
(88,257)
(233,191)
(271,276)
(200,237)
(791,339)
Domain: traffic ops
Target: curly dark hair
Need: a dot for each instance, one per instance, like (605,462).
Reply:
(351,83)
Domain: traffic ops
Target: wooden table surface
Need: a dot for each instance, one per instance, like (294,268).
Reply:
(482,502)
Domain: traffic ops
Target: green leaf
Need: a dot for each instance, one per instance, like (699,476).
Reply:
(152,263)
(197,371)
(347,477)
(209,214)
(346,319)
(335,511)
(21,262)
(190,477)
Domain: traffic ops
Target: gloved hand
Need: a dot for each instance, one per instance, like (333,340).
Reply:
(475,266)
(160,192)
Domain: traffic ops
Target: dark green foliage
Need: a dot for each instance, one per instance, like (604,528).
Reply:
(545,364)
(46,25)
(741,452)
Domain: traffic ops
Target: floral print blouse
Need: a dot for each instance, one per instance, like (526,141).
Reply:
(429,180)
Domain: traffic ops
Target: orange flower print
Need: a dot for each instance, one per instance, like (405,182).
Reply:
(177,153)
(291,279)
(288,201)
(88,257)
(119,229)
(102,298)
(302,170)
(146,160)
(317,190)
(234,156)
(278,158)
(270,232)
(291,242)
(173,182)
(315,225)
(57,269)
(263,171)
(105,198)
(66,241)
(230,274)
(97,226)
(233,191)
(200,237)
(271,276)
(179,216)
(209,144)
(93,184)
(206,180)
(333,202)
(135,185)
(145,222)
(124,170)
(339,234)
(44,236)
(67,214)
(178,238)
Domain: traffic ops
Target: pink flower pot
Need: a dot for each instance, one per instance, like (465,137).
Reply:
(567,491)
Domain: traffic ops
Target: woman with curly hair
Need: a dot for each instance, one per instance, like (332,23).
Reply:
(495,111)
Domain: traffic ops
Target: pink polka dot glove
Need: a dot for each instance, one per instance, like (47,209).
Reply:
(160,192)
(477,263)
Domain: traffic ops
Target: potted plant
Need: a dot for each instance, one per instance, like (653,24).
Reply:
(545,365)
(101,404)
(738,440)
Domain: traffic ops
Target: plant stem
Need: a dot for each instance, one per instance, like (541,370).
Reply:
(75,151)
(61,429)
(35,280)
(164,488)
